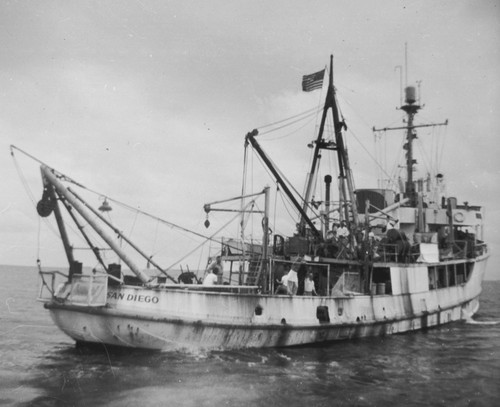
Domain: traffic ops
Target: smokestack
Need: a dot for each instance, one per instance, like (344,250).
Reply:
(328,181)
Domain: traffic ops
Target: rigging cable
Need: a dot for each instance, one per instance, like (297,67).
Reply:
(241,230)
(306,114)
(288,124)
(275,205)
(153,248)
(38,241)
(136,210)
(369,154)
(289,133)
(285,180)
(443,145)
(124,205)
(286,206)
(210,238)
(131,231)
(425,156)
(32,198)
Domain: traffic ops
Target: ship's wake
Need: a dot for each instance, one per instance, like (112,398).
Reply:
(470,320)
(474,322)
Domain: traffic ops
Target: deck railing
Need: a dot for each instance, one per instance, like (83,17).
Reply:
(48,281)
(89,289)
(84,289)
(394,253)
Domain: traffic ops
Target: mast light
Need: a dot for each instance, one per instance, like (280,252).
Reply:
(105,207)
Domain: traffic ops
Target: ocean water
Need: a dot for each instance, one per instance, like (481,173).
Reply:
(454,365)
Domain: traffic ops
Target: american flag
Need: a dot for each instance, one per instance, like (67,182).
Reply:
(313,81)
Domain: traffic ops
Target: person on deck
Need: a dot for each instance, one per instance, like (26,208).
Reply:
(282,288)
(331,244)
(211,277)
(293,279)
(343,232)
(216,267)
(309,288)
(398,238)
(371,235)
(335,228)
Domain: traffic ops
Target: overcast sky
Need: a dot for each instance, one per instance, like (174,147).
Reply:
(151,100)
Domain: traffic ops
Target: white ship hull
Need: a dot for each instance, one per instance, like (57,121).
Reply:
(167,318)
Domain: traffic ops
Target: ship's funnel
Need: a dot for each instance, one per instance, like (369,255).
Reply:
(328,181)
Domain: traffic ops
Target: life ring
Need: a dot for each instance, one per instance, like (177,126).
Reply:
(459,217)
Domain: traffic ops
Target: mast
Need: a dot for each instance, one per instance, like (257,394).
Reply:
(345,174)
(265,224)
(68,249)
(410,108)
(264,265)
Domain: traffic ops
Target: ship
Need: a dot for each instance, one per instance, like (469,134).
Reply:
(357,263)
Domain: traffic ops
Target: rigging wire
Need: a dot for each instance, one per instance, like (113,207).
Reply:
(198,268)
(445,131)
(381,159)
(435,145)
(32,198)
(425,156)
(210,238)
(289,124)
(368,152)
(275,206)
(115,201)
(156,234)
(286,205)
(131,231)
(289,133)
(291,186)
(153,248)
(38,242)
(305,113)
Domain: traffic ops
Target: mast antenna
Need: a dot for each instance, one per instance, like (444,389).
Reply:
(400,69)
(406,64)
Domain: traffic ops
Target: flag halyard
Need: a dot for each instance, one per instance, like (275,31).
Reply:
(313,81)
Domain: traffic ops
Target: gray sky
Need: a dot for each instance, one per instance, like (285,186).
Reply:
(149,101)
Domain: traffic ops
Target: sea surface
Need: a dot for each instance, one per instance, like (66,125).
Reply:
(454,365)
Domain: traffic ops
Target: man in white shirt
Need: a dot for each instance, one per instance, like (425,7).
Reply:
(211,278)
(343,232)
(293,280)
(217,268)
(309,288)
(283,285)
